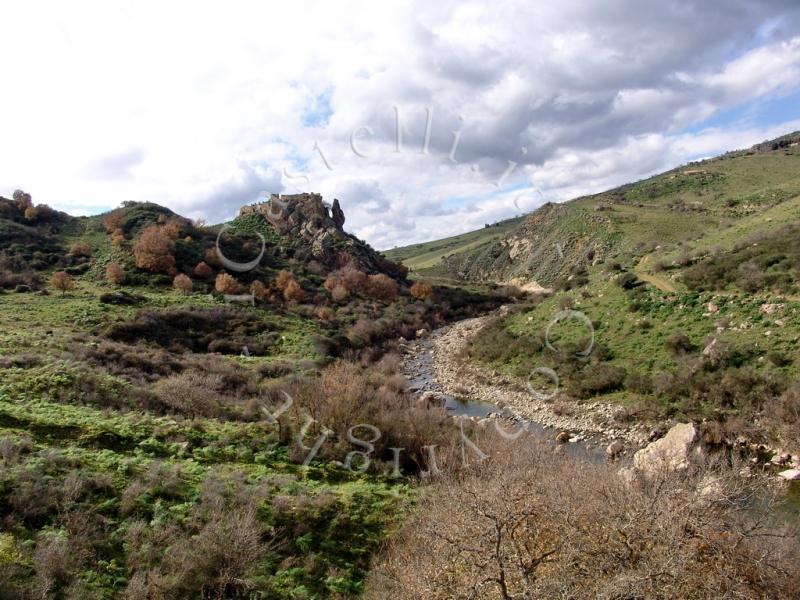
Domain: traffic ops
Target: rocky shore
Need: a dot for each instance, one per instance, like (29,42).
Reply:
(434,368)
(578,422)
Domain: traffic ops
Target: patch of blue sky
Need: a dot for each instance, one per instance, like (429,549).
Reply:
(762,113)
(318,112)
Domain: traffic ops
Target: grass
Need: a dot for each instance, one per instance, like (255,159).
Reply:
(637,340)
(429,255)
(324,521)
(697,207)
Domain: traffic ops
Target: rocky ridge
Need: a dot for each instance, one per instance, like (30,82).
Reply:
(315,230)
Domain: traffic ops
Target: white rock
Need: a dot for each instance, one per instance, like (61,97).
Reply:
(676,451)
(614,449)
(710,488)
(790,474)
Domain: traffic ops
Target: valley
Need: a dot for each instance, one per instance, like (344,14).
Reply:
(179,419)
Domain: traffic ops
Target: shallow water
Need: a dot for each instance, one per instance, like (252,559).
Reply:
(420,371)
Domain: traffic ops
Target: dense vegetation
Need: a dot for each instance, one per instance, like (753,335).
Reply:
(139,457)
(170,428)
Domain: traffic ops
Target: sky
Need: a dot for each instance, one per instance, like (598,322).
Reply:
(424,119)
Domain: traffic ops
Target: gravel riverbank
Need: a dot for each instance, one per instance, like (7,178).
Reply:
(433,365)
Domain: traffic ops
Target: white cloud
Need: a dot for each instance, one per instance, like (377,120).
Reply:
(201,106)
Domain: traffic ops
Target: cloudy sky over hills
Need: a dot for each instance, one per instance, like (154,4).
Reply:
(501,105)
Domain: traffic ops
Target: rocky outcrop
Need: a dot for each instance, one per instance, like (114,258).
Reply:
(337,214)
(546,246)
(677,451)
(308,227)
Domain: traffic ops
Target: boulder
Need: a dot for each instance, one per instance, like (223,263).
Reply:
(676,451)
(781,459)
(711,489)
(430,400)
(790,474)
(614,449)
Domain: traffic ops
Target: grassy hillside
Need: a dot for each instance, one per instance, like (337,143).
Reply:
(701,206)
(425,258)
(139,454)
(691,281)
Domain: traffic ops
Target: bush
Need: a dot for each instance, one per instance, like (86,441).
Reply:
(597,379)
(154,250)
(349,279)
(80,249)
(113,221)
(117,238)
(115,274)
(62,281)
(182,283)
(679,344)
(282,280)
(627,281)
(325,313)
(526,523)
(382,287)
(422,291)
(293,292)
(339,293)
(259,290)
(226,284)
(202,270)
(22,200)
(191,393)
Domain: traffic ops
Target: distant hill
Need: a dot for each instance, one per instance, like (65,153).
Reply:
(706,204)
(427,256)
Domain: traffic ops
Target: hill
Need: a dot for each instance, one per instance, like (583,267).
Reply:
(704,205)
(689,284)
(428,256)
(175,425)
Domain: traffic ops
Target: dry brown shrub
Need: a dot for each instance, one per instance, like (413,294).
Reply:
(213,562)
(422,291)
(113,221)
(259,290)
(183,283)
(212,258)
(154,250)
(174,227)
(62,281)
(115,274)
(382,287)
(226,284)
(22,200)
(353,279)
(117,238)
(339,293)
(31,213)
(293,292)
(527,523)
(191,393)
(80,249)
(202,270)
(282,280)
(325,313)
